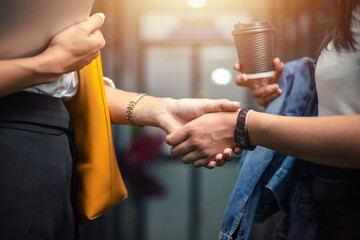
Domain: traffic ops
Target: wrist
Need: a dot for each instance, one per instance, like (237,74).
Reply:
(45,68)
(231,122)
(249,128)
(130,110)
(162,111)
(150,111)
(241,133)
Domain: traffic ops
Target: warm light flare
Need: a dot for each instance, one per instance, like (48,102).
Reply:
(196,3)
(221,76)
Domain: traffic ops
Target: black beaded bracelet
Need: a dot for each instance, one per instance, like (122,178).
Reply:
(241,133)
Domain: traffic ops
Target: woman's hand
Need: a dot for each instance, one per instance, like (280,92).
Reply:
(75,47)
(176,113)
(200,140)
(165,113)
(264,90)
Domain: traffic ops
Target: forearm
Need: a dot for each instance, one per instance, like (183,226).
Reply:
(18,74)
(331,141)
(166,113)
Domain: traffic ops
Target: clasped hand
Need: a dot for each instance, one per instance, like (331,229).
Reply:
(203,140)
(200,140)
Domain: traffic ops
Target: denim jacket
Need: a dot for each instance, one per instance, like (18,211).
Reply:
(269,180)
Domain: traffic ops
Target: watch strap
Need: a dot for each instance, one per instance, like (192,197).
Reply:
(241,133)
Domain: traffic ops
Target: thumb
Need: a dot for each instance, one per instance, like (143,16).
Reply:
(170,127)
(176,137)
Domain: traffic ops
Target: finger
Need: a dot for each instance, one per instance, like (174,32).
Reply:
(218,157)
(98,39)
(228,154)
(211,165)
(192,156)
(177,136)
(201,162)
(237,66)
(220,163)
(279,66)
(222,105)
(262,82)
(242,80)
(181,149)
(272,96)
(237,150)
(265,100)
(264,91)
(94,22)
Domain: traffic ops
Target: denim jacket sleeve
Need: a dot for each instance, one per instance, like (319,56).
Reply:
(265,175)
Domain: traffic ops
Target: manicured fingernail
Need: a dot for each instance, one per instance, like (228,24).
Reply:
(237,150)
(102,16)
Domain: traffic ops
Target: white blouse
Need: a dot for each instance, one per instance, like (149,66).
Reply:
(65,87)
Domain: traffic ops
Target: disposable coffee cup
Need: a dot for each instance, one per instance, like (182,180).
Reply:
(255,47)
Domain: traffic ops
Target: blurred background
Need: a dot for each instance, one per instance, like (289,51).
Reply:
(184,48)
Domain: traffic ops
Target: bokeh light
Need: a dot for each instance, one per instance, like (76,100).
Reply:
(196,3)
(221,76)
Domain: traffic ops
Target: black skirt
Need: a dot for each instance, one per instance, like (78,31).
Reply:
(36,169)
(336,193)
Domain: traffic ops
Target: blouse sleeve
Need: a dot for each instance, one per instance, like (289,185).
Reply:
(109,82)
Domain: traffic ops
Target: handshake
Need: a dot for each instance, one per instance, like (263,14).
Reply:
(201,131)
